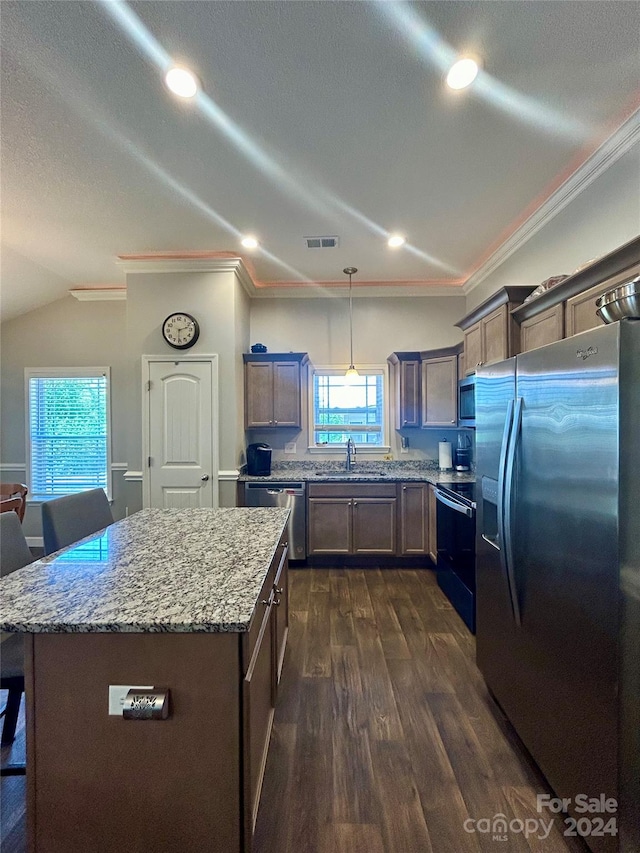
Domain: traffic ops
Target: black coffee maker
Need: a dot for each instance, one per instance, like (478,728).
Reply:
(258,460)
(463,454)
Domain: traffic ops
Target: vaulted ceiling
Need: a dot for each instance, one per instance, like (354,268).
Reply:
(315,118)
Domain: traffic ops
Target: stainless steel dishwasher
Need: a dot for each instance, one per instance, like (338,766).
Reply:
(284,494)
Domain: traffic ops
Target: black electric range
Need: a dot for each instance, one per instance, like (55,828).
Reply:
(456,569)
(465,492)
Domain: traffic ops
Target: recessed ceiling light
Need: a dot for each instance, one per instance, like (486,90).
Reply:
(181,82)
(249,242)
(462,73)
(396,240)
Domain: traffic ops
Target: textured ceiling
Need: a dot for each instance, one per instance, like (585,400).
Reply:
(317,118)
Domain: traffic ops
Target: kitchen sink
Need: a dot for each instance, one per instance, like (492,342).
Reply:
(342,475)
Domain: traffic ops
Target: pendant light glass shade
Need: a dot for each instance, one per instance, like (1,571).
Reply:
(351,374)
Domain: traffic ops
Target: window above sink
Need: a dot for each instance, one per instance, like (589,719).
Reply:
(341,408)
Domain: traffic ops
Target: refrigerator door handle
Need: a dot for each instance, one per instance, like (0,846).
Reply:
(508,508)
(506,434)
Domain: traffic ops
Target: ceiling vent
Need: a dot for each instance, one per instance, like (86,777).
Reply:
(322,242)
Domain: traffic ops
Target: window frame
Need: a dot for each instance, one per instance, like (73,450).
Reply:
(337,370)
(64,373)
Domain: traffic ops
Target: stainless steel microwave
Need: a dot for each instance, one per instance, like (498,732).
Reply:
(467,401)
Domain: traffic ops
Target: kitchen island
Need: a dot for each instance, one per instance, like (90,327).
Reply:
(190,601)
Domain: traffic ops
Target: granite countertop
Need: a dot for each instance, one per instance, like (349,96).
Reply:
(398,471)
(195,570)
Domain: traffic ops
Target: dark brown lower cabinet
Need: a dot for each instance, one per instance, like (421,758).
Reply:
(354,518)
(190,783)
(329,522)
(414,518)
(374,525)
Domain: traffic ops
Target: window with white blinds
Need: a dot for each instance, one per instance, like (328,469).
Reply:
(68,431)
(345,407)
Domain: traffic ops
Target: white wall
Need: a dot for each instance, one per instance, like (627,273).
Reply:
(380,326)
(65,333)
(217,302)
(604,216)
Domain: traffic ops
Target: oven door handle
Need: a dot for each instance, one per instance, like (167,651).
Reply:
(453,504)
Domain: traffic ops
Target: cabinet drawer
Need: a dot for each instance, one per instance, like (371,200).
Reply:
(258,702)
(352,490)
(251,637)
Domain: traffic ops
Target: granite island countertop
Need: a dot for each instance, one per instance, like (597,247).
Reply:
(396,471)
(194,570)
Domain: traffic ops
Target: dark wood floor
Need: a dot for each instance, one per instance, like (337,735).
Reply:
(385,739)
(12,790)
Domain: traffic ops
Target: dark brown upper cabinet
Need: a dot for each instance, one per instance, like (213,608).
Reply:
(273,384)
(405,374)
(490,332)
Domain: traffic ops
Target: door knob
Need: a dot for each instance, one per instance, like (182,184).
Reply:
(204,478)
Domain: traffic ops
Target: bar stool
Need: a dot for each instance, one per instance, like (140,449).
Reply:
(68,519)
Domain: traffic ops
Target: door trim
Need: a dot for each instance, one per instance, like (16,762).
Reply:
(147,361)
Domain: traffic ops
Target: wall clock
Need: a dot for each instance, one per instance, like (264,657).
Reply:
(180,330)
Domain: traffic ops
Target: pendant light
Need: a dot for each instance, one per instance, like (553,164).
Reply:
(351,373)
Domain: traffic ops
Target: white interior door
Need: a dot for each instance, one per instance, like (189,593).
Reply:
(182,435)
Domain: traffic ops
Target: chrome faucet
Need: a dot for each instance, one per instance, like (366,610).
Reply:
(351,454)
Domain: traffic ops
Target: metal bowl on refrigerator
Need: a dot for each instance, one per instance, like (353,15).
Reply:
(621,302)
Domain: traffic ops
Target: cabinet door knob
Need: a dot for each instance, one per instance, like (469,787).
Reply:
(204,478)
(355,503)
(452,421)
(276,602)
(277,591)
(265,601)
(275,422)
(404,488)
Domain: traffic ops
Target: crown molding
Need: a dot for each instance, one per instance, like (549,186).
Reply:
(99,294)
(301,290)
(320,290)
(166,263)
(624,138)
(214,262)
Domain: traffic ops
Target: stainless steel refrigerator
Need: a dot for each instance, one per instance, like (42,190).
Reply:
(558,564)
